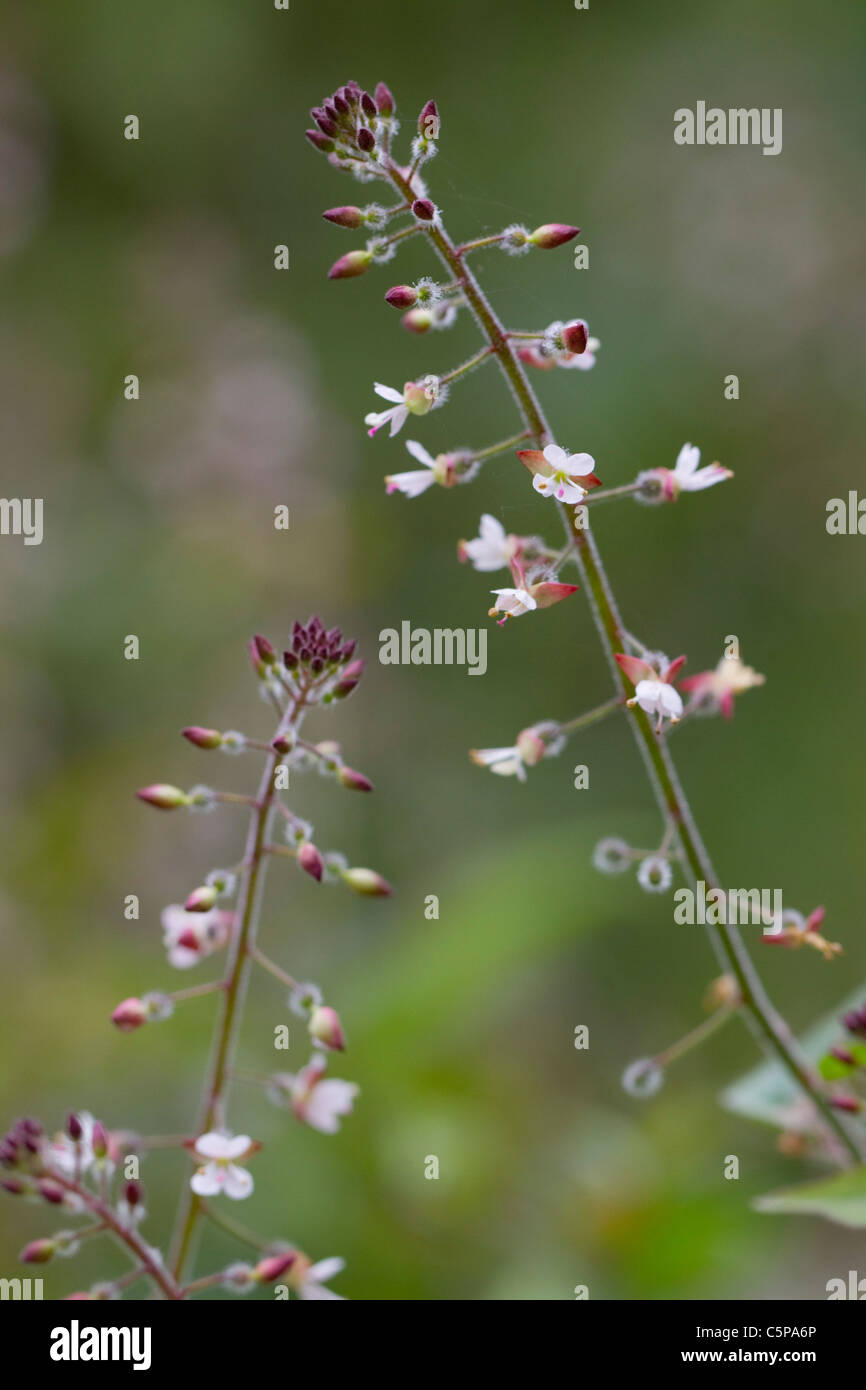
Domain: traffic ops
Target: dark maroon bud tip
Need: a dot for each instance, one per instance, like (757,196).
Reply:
(325,124)
(401,297)
(366,140)
(74,1127)
(424,210)
(368,105)
(428,113)
(264,649)
(341,105)
(384,99)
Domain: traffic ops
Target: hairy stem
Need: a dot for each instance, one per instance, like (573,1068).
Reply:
(767,1022)
(145,1259)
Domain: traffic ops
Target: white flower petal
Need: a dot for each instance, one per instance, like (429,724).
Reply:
(420,454)
(555,456)
(579,465)
(213,1145)
(688,459)
(238,1183)
(388,393)
(237,1145)
(206,1182)
(411,484)
(326,1269)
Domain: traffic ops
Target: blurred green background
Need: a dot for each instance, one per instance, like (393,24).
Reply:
(156,257)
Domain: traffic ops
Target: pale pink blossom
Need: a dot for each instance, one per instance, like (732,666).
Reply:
(191,936)
(320,1102)
(492,549)
(221,1170)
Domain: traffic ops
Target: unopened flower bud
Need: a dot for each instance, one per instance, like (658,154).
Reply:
(402,296)
(325,1028)
(553,234)
(354,781)
(203,738)
(344,217)
(265,651)
(50,1192)
(325,122)
(384,100)
(165,797)
(849,1103)
(268,1270)
(367,882)
(74,1127)
(202,899)
(130,1014)
(320,141)
(99,1140)
(429,113)
(353,263)
(417,320)
(133,1193)
(311,861)
(424,209)
(38,1252)
(366,140)
(349,679)
(575,336)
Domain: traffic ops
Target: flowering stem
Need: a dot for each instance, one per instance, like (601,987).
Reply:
(467,366)
(195,991)
(144,1256)
(694,1038)
(581,720)
(234,1228)
(272,968)
(240,964)
(479,244)
(608,494)
(502,448)
(767,1022)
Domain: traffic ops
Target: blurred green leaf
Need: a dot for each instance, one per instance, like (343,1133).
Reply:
(841,1198)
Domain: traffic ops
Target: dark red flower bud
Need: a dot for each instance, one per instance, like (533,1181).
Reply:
(366,140)
(311,861)
(574,336)
(402,297)
(368,105)
(384,100)
(344,217)
(429,113)
(424,209)
(320,141)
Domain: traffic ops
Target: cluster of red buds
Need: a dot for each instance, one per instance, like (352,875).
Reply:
(80,1169)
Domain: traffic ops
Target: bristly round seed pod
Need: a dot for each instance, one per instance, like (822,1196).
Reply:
(424,209)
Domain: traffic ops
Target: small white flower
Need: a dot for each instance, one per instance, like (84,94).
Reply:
(566,468)
(396,416)
(414,398)
(655,874)
(492,549)
(507,762)
(690,478)
(191,936)
(320,1104)
(220,1171)
(413,483)
(71,1156)
(657,697)
(512,602)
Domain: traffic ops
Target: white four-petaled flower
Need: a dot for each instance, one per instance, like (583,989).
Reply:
(492,549)
(512,602)
(566,469)
(220,1171)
